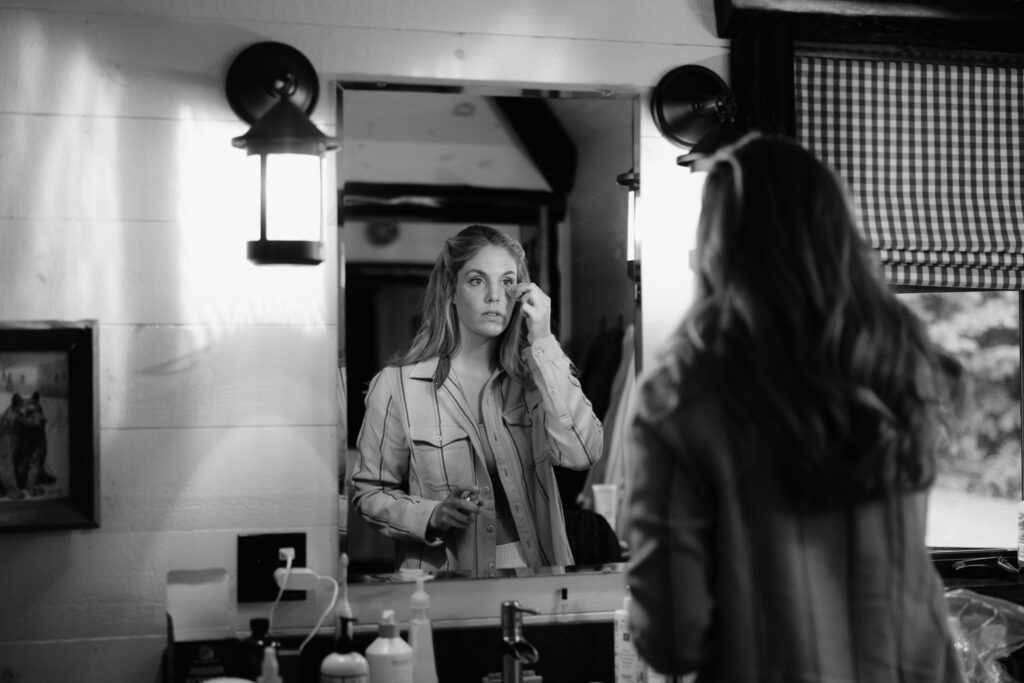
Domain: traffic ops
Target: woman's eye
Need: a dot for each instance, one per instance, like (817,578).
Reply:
(475,280)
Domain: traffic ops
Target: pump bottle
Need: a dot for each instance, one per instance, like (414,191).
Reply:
(389,657)
(421,636)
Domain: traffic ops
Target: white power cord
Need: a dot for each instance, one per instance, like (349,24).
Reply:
(288,555)
(328,610)
(303,579)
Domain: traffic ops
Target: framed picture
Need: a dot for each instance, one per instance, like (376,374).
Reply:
(49,436)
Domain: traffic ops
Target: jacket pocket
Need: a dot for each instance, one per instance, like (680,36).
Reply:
(519,425)
(442,460)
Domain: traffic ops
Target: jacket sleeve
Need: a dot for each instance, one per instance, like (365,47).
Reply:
(669,538)
(559,409)
(380,479)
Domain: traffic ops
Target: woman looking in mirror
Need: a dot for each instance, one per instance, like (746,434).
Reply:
(785,443)
(462,429)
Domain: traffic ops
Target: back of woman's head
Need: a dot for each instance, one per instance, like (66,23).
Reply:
(438,334)
(814,354)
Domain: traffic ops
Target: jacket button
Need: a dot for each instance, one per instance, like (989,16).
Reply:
(490,527)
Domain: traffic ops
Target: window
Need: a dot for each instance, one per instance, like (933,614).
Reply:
(978,485)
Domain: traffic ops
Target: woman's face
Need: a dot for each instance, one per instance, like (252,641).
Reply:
(484,293)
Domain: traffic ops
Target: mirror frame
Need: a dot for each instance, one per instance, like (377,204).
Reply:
(558,594)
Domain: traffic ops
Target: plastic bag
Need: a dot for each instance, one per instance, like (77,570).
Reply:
(985,630)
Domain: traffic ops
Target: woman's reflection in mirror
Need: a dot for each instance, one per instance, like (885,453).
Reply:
(785,442)
(463,428)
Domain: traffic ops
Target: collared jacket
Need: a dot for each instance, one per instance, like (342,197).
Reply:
(417,444)
(729,579)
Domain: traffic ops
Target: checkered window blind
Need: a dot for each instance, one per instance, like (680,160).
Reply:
(933,155)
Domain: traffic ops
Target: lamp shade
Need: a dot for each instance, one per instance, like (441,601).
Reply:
(284,129)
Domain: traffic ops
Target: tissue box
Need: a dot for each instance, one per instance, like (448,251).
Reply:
(200,643)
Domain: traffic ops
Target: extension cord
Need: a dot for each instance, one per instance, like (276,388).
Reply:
(300,578)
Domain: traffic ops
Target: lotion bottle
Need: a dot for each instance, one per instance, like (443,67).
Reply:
(390,658)
(1020,536)
(421,637)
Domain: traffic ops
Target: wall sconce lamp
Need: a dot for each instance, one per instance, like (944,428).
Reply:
(631,181)
(274,87)
(693,107)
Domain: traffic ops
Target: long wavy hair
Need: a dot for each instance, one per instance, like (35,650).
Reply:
(818,364)
(438,335)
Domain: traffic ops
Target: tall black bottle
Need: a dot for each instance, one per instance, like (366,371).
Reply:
(251,659)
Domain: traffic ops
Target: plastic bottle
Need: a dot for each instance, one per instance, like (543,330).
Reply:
(344,665)
(390,657)
(1020,535)
(628,666)
(253,646)
(421,636)
(270,672)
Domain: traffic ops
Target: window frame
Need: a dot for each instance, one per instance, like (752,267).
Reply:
(912,289)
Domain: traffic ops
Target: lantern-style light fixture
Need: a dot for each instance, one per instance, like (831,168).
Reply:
(693,107)
(275,88)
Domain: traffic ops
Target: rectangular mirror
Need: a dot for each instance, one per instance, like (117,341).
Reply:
(418,163)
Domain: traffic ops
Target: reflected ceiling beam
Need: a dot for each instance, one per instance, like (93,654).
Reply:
(446,203)
(543,138)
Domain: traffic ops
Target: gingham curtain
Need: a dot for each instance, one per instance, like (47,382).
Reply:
(932,154)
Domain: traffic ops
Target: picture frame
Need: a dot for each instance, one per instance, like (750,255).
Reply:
(49,425)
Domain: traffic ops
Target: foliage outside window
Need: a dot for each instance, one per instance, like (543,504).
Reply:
(978,486)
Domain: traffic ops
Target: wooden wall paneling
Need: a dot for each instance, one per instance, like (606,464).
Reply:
(125,593)
(687,21)
(242,477)
(125,168)
(122,65)
(196,377)
(154,272)
(134,658)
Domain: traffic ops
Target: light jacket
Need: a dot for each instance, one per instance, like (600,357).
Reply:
(729,580)
(417,444)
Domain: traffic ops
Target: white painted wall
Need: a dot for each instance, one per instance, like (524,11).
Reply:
(120,201)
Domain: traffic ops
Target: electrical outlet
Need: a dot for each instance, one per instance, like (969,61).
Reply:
(258,557)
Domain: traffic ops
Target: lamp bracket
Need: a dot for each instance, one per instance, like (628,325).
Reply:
(264,72)
(689,102)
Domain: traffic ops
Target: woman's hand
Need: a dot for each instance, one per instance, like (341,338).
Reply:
(536,308)
(457,510)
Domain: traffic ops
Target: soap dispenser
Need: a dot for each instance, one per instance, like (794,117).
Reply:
(421,636)
(389,656)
